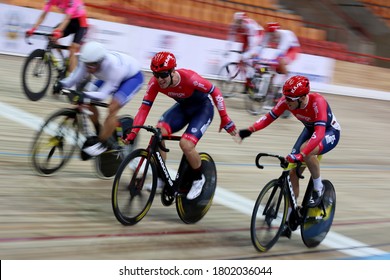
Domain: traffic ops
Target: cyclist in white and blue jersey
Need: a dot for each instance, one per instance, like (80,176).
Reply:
(114,74)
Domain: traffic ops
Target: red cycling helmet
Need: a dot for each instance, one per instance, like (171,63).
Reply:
(272,26)
(163,61)
(296,86)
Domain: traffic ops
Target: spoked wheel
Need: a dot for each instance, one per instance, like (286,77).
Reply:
(130,199)
(269,216)
(55,142)
(191,211)
(231,79)
(318,220)
(36,75)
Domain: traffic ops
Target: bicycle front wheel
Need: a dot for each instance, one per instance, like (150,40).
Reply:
(36,75)
(130,198)
(231,79)
(269,216)
(55,142)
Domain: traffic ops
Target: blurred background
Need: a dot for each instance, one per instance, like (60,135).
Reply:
(69,216)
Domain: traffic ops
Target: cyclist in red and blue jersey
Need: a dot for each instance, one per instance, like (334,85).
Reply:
(321,131)
(74,22)
(193,108)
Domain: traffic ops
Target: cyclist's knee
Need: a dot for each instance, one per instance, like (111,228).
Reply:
(165,128)
(187,145)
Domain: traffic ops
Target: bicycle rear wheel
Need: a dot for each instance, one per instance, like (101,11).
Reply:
(107,163)
(269,216)
(36,75)
(231,79)
(55,142)
(191,211)
(130,200)
(318,220)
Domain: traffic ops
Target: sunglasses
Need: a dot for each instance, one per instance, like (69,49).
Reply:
(292,99)
(161,75)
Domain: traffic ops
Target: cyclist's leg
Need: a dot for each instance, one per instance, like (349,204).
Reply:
(79,33)
(126,91)
(328,143)
(199,120)
(303,137)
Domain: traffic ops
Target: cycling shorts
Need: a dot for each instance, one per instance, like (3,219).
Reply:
(74,28)
(127,89)
(197,116)
(331,139)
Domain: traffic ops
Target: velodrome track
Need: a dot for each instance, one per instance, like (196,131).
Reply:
(69,216)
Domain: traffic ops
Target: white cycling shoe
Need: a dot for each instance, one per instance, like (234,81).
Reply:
(95,150)
(196,188)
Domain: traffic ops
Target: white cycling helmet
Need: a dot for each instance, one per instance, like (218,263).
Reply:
(239,16)
(92,52)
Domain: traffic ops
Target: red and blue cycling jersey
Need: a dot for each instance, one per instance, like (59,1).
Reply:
(194,107)
(321,126)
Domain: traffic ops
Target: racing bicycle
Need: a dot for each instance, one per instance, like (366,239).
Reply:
(269,216)
(39,65)
(264,95)
(130,198)
(67,129)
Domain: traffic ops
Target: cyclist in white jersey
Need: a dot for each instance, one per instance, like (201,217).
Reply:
(248,32)
(115,74)
(287,45)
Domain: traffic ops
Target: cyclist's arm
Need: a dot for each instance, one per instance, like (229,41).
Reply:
(218,101)
(263,122)
(145,107)
(40,20)
(75,77)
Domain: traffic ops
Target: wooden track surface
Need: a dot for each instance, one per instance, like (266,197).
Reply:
(69,215)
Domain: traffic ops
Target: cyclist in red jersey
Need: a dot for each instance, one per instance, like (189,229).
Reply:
(321,131)
(75,22)
(193,107)
(248,32)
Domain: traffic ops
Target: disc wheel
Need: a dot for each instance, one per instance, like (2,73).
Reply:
(318,220)
(191,211)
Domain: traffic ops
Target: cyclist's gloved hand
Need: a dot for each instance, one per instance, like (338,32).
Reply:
(130,137)
(57,87)
(293,158)
(244,133)
(30,32)
(57,33)
(228,125)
